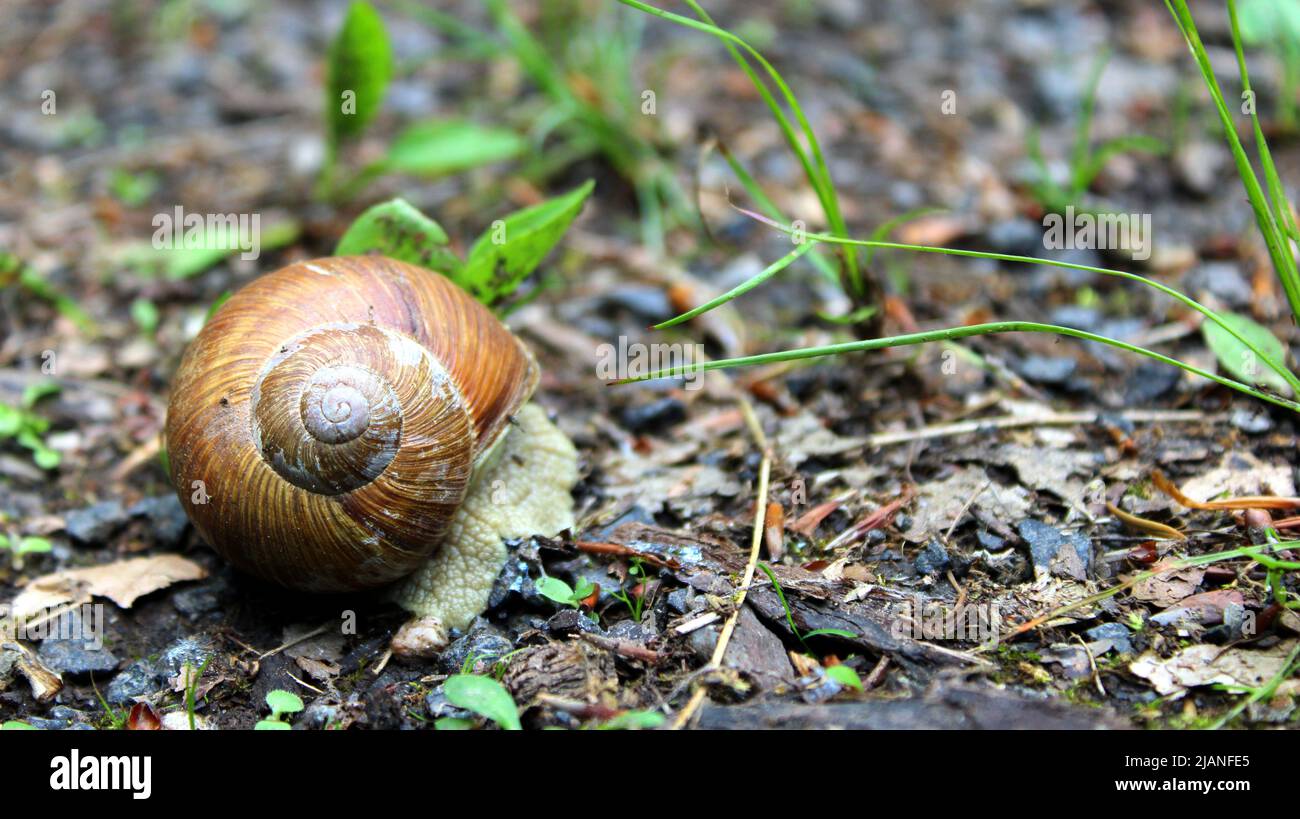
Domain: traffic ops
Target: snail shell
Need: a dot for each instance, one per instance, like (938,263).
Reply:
(328,420)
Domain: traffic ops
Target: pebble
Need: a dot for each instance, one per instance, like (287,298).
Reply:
(136,680)
(933,559)
(93,524)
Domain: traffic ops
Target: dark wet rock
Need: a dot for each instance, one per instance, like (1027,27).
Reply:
(990,541)
(61,718)
(1022,237)
(191,651)
(437,707)
(1115,636)
(76,657)
(1077,317)
(933,559)
(319,714)
(1251,420)
(200,600)
(646,302)
(165,517)
(1046,369)
(95,523)
(1149,381)
(570,621)
(1224,280)
(682,600)
(82,653)
(631,631)
(1045,548)
(136,680)
(479,648)
(654,415)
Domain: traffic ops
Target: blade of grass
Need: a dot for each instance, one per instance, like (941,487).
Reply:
(815,168)
(951,334)
(742,288)
(1278,250)
(1290,377)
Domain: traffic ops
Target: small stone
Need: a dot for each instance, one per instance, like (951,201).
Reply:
(93,524)
(165,515)
(77,655)
(990,541)
(481,647)
(1115,635)
(933,559)
(1045,544)
(654,415)
(1198,164)
(191,651)
(136,680)
(1252,421)
(1046,370)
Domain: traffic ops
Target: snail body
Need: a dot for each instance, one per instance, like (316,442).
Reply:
(334,423)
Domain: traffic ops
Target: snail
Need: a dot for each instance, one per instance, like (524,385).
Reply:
(348,423)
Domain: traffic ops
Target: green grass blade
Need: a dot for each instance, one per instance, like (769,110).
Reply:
(742,288)
(952,334)
(1187,301)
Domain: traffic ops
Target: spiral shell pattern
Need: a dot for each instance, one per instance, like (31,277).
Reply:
(327,421)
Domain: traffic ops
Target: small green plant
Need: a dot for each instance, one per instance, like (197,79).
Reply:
(498,261)
(17,725)
(635,602)
(557,591)
(281,703)
(1275,25)
(21,546)
(192,687)
(845,676)
(14,272)
(482,695)
(360,65)
(789,615)
(1086,160)
(27,428)
(1244,348)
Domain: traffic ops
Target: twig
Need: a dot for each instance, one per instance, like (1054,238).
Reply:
(760,516)
(1044,420)
(623,648)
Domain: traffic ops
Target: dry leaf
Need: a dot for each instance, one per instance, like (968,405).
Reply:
(123,582)
(1209,665)
(1167,588)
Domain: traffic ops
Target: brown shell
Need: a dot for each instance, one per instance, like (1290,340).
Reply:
(333,412)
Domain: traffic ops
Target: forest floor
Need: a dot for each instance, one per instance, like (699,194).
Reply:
(942,510)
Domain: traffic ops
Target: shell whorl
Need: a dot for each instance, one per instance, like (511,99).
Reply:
(334,412)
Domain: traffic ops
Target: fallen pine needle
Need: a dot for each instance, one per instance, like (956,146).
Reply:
(1248,502)
(1151,527)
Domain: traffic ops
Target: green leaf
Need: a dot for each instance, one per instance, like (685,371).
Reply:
(145,315)
(440,147)
(272,725)
(453,724)
(845,676)
(553,588)
(11,420)
(33,545)
(1241,362)
(17,725)
(398,230)
(360,64)
(41,389)
(634,721)
(283,702)
(484,696)
(4,541)
(513,247)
